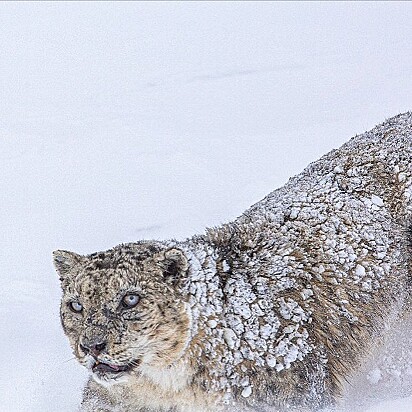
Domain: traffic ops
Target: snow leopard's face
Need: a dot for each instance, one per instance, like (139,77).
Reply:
(121,309)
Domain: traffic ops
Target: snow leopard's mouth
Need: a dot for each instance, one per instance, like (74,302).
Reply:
(100,367)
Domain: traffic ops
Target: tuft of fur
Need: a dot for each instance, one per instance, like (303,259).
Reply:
(270,312)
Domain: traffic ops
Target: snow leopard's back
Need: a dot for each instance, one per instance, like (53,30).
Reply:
(329,251)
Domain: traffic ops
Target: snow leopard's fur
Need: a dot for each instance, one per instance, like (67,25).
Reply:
(269,312)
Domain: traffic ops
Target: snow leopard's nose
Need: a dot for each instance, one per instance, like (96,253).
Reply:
(94,348)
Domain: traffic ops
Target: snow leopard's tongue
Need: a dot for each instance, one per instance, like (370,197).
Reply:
(105,367)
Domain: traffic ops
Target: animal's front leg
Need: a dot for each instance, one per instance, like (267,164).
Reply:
(96,399)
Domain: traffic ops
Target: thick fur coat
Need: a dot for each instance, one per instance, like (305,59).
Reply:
(269,312)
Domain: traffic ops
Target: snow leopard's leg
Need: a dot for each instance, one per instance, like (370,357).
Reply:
(96,399)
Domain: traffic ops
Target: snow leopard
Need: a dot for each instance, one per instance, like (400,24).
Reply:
(270,312)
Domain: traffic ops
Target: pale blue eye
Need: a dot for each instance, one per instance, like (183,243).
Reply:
(75,307)
(129,301)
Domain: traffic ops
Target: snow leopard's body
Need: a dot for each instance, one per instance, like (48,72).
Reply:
(269,312)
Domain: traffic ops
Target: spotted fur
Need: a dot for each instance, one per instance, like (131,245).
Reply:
(270,312)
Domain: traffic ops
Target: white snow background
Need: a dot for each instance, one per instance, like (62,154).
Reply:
(123,121)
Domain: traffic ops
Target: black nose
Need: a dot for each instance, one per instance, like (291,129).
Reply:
(94,348)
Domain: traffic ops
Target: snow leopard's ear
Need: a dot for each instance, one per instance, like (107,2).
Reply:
(65,261)
(174,264)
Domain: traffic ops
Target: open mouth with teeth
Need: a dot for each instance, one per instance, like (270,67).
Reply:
(100,367)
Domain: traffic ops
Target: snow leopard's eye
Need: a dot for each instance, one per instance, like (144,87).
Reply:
(130,301)
(75,307)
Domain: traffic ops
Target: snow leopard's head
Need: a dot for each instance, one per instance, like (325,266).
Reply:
(122,310)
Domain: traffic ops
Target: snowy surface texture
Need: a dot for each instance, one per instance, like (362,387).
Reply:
(154,120)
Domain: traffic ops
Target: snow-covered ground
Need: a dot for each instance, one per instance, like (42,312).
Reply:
(123,121)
